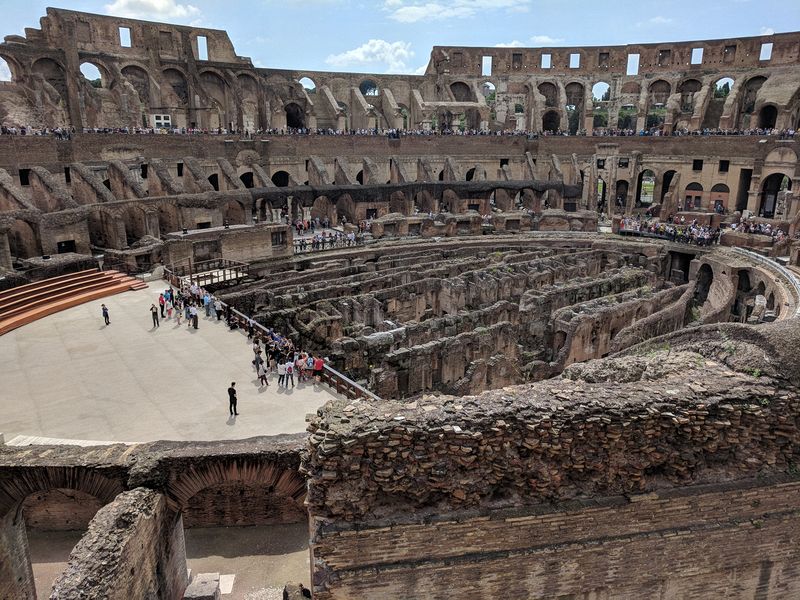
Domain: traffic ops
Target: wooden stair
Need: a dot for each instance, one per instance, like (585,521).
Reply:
(27,303)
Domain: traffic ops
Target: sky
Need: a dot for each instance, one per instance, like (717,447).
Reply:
(396,36)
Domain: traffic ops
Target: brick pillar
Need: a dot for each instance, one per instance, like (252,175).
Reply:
(16,572)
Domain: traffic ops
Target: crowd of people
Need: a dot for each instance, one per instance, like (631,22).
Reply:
(330,239)
(675,230)
(679,230)
(394,133)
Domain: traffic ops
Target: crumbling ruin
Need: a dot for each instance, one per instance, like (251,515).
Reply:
(552,412)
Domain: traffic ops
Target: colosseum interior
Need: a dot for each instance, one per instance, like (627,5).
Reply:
(558,300)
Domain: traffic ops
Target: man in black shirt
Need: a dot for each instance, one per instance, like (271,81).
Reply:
(232,398)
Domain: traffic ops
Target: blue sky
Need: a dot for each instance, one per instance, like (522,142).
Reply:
(396,36)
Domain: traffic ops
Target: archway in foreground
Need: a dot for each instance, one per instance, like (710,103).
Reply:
(772,186)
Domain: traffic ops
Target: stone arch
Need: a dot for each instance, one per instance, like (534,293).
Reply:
(645,186)
(24,239)
(177,81)
(693,196)
(767,116)
(658,94)
(399,204)
(168,218)
(550,93)
(719,195)
(687,90)
(9,68)
(53,73)
(247,179)
(470,174)
(95,74)
(213,179)
(14,489)
(369,88)
(308,84)
(346,209)
(632,88)
(749,95)
(574,107)
(770,188)
(135,219)
(234,213)
(281,178)
(601,92)
(461,92)
(140,80)
(666,180)
(106,228)
(621,195)
(551,121)
(295,117)
(424,202)
(322,208)
(253,474)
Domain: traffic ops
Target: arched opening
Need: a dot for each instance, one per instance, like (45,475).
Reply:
(445,118)
(295,117)
(621,197)
(719,197)
(489,91)
(659,92)
(470,174)
(551,121)
(5,70)
(705,277)
(626,118)
(92,74)
(168,219)
(53,73)
(247,179)
(767,117)
(360,177)
(425,203)
(369,88)
(233,213)
(461,92)
(24,240)
(693,196)
(601,195)
(280,179)
(399,204)
(135,224)
(177,82)
(770,188)
(749,96)
(687,90)
(213,179)
(346,209)
(140,81)
(440,177)
(601,96)
(716,104)
(308,85)
(323,209)
(574,106)
(550,93)
(645,188)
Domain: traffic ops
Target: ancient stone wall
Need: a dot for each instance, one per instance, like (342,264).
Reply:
(134,549)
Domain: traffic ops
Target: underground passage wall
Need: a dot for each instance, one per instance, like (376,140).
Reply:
(671,472)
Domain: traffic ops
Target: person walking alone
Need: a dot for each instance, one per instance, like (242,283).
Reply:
(154,314)
(262,374)
(104,309)
(232,399)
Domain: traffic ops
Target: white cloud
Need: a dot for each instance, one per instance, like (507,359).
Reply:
(412,11)
(421,70)
(767,31)
(536,40)
(5,72)
(657,20)
(394,55)
(153,10)
(545,40)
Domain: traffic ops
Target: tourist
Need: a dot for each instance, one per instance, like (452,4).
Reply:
(232,399)
(218,308)
(207,303)
(178,315)
(104,310)
(289,372)
(193,314)
(161,302)
(281,373)
(262,374)
(319,365)
(154,314)
(169,308)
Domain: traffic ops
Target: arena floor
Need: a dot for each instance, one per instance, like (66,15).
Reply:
(68,376)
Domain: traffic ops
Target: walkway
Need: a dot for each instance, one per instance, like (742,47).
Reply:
(70,376)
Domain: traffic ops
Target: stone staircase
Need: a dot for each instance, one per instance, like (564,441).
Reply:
(27,303)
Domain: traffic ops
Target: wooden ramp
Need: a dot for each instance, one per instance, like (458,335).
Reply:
(27,303)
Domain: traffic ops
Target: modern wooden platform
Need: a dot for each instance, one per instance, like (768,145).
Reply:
(27,303)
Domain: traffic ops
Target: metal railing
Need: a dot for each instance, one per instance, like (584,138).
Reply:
(307,246)
(208,272)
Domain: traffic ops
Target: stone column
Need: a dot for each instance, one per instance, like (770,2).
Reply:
(16,572)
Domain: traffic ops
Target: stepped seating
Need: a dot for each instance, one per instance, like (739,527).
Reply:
(27,303)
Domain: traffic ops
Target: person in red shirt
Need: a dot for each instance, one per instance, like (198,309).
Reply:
(318,366)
